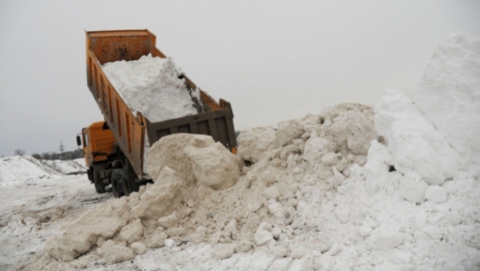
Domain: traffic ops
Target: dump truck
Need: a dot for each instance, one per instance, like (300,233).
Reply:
(115,148)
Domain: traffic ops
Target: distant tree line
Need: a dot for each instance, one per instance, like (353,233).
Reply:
(66,155)
(62,155)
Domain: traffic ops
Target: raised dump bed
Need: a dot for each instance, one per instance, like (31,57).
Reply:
(129,129)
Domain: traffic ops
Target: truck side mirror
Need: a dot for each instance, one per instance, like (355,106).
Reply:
(79,141)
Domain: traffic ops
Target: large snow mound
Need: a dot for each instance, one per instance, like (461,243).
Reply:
(196,198)
(449,95)
(151,86)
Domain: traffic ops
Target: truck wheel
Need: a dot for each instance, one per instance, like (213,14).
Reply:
(117,188)
(99,187)
(97,181)
(89,174)
(128,185)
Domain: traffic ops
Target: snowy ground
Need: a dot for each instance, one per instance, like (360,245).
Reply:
(36,201)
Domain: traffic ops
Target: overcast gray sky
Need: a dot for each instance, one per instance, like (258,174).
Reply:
(273,60)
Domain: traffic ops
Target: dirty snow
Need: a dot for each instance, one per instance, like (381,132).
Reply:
(352,188)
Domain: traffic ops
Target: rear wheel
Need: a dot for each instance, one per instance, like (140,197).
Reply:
(128,184)
(97,181)
(117,188)
(100,188)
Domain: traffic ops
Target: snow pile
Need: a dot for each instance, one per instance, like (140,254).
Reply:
(193,201)
(121,228)
(24,168)
(151,86)
(327,192)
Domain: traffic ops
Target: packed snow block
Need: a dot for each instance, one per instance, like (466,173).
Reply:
(413,190)
(288,131)
(436,194)
(132,232)
(157,240)
(161,197)
(223,251)
(82,234)
(214,166)
(197,158)
(350,126)
(412,140)
(254,143)
(449,95)
(138,248)
(168,221)
(262,237)
(117,254)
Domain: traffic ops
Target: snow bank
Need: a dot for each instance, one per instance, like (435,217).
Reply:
(449,95)
(151,86)
(24,168)
(67,167)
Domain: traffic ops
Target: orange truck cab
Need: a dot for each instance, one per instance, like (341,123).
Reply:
(100,150)
(98,143)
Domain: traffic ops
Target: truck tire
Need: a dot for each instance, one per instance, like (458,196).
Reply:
(99,187)
(129,184)
(97,181)
(90,174)
(117,188)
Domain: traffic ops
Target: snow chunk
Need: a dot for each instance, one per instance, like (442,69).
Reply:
(117,254)
(413,141)
(223,251)
(436,194)
(449,95)
(413,190)
(287,131)
(132,232)
(160,197)
(103,221)
(197,158)
(253,143)
(138,248)
(262,237)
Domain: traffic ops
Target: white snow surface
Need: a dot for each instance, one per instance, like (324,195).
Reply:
(327,192)
(25,168)
(150,85)
(449,95)
(67,167)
